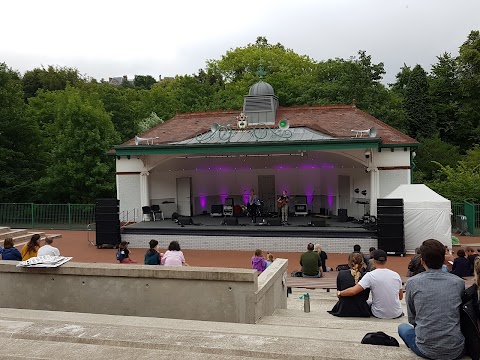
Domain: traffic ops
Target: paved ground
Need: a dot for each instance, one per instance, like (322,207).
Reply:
(75,243)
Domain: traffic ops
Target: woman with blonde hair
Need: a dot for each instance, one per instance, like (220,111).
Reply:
(354,306)
(323,256)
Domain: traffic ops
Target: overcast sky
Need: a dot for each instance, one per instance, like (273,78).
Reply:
(113,38)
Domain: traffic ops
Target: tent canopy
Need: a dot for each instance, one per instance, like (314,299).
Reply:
(426,215)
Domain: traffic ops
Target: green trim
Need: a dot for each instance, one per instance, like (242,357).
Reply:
(336,144)
(389,146)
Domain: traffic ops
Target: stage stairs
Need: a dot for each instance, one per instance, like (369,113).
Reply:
(288,334)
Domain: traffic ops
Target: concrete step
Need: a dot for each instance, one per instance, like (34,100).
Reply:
(4,229)
(24,238)
(187,337)
(12,233)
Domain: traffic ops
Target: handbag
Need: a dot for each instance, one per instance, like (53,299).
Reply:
(379,338)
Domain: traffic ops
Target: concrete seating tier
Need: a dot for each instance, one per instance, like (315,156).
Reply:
(21,236)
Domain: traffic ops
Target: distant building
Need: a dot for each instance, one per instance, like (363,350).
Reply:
(118,80)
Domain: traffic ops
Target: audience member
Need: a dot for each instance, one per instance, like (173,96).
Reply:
(124,256)
(311,263)
(323,256)
(358,249)
(471,256)
(9,252)
(258,262)
(355,306)
(470,315)
(433,300)
(152,257)
(173,256)
(371,264)
(415,265)
(269,259)
(30,249)
(48,249)
(448,258)
(461,265)
(386,287)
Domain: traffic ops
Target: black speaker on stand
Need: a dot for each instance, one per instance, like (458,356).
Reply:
(390,226)
(107,223)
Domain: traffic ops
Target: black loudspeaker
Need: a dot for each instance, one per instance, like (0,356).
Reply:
(230,221)
(185,220)
(390,202)
(389,210)
(318,222)
(107,238)
(390,230)
(324,211)
(342,215)
(107,202)
(391,219)
(395,246)
(105,216)
(274,221)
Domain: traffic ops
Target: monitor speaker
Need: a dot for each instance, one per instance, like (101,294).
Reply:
(217,209)
(318,222)
(230,221)
(185,220)
(276,221)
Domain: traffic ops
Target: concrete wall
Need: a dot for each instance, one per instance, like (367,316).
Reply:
(212,294)
(272,289)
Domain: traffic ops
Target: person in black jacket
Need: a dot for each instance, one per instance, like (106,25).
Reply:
(9,252)
(461,265)
(470,316)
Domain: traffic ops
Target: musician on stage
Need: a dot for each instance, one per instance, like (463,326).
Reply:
(283,205)
(252,205)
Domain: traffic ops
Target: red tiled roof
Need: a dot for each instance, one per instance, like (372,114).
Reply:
(333,120)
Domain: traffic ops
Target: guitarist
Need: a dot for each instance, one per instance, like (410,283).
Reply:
(282,203)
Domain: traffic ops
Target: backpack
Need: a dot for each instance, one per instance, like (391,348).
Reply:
(343,267)
(379,338)
(119,256)
(296,274)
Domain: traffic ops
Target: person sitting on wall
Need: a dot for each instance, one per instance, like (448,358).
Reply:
(173,256)
(386,287)
(461,265)
(30,249)
(48,249)
(152,257)
(355,306)
(311,263)
(9,251)
(269,260)
(124,254)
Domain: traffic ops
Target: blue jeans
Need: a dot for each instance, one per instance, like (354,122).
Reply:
(407,333)
(312,276)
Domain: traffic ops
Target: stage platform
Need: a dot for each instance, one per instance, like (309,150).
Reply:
(208,233)
(299,226)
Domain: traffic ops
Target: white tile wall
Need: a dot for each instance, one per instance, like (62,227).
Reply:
(246,243)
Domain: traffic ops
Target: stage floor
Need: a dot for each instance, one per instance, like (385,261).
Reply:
(298,226)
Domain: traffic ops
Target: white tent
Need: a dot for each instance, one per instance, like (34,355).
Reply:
(426,215)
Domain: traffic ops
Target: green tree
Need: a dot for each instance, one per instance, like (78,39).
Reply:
(50,78)
(420,119)
(80,170)
(21,150)
(144,81)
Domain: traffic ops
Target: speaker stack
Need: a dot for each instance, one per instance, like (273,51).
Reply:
(391,234)
(107,223)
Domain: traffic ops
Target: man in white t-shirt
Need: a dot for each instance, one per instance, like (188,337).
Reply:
(385,286)
(48,249)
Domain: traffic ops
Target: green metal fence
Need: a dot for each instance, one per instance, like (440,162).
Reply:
(47,216)
(471,211)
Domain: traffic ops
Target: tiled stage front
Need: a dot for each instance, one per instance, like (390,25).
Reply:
(208,234)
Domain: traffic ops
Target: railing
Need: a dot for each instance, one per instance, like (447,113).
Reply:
(133,215)
(47,216)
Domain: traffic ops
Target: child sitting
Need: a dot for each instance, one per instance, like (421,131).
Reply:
(258,262)
(152,257)
(123,254)
(269,259)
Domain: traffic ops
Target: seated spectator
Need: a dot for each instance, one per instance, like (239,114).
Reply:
(386,287)
(269,259)
(9,252)
(173,256)
(355,306)
(152,257)
(470,316)
(357,249)
(258,262)
(461,265)
(415,265)
(323,256)
(371,263)
(471,256)
(311,263)
(30,249)
(433,301)
(48,249)
(125,254)
(448,258)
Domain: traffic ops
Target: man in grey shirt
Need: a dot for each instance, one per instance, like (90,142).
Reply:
(433,301)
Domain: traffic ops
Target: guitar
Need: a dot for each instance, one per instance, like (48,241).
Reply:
(281,202)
